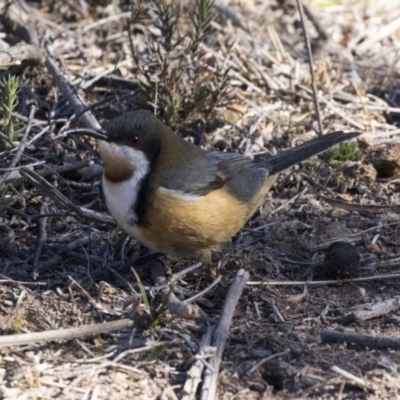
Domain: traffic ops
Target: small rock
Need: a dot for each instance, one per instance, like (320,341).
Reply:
(341,261)
(373,247)
(234,113)
(386,160)
(361,173)
(362,189)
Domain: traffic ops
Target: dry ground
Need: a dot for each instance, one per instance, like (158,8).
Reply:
(60,269)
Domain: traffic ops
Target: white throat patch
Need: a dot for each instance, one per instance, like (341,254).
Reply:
(121,197)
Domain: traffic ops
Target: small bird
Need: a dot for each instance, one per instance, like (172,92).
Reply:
(177,198)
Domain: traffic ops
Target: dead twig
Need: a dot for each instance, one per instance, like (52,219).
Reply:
(209,389)
(335,110)
(49,169)
(369,311)
(311,65)
(378,35)
(352,378)
(173,304)
(175,277)
(99,308)
(196,370)
(42,240)
(323,36)
(88,120)
(328,282)
(328,336)
(351,237)
(19,311)
(362,208)
(64,334)
(206,290)
(35,164)
(264,360)
(50,191)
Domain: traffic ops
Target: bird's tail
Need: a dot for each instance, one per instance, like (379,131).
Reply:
(293,156)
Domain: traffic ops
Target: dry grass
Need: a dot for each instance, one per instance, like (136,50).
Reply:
(61,267)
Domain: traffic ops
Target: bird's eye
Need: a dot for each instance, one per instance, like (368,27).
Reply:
(134,141)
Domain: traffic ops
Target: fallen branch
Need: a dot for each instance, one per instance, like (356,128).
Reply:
(352,378)
(64,334)
(196,370)
(369,311)
(328,282)
(209,389)
(175,277)
(79,107)
(329,336)
(384,209)
(353,236)
(311,66)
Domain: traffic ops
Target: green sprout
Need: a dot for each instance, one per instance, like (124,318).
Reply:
(344,152)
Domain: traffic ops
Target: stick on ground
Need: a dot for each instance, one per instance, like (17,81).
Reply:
(196,370)
(64,334)
(310,63)
(209,389)
(328,336)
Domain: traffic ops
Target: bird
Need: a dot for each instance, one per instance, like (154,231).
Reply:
(175,197)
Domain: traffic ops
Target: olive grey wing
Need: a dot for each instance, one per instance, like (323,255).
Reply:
(202,176)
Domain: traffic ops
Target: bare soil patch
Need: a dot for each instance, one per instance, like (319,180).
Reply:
(61,267)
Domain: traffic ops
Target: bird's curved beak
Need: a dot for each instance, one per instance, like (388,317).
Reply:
(95,133)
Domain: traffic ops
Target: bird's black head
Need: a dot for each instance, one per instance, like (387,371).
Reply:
(140,130)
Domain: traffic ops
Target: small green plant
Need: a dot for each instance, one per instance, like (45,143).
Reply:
(153,315)
(142,292)
(9,100)
(310,163)
(344,152)
(120,237)
(176,77)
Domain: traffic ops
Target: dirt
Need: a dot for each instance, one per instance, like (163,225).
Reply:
(61,268)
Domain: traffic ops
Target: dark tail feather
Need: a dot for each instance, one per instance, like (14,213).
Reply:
(300,153)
